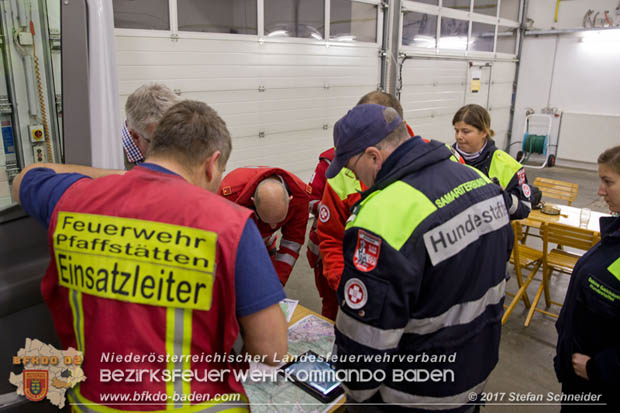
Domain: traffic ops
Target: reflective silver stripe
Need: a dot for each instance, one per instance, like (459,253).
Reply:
(390,395)
(311,204)
(360,395)
(527,204)
(465,228)
(270,238)
(178,349)
(515,204)
(291,245)
(457,314)
(328,161)
(369,336)
(313,248)
(286,258)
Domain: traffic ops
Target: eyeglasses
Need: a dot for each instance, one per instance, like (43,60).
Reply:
(352,167)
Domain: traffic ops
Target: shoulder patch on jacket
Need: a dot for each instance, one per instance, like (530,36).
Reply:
(324,214)
(355,293)
(367,250)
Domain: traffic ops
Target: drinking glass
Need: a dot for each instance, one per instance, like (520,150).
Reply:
(584,217)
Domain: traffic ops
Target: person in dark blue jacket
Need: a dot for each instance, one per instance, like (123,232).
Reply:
(473,133)
(418,306)
(588,349)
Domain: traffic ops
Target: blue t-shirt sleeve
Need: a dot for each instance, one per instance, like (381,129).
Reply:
(256,283)
(40,190)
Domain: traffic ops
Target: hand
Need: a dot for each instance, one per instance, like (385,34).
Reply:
(579,365)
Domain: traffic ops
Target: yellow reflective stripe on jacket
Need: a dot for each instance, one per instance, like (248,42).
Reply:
(228,403)
(75,301)
(345,183)
(614,269)
(393,213)
(503,167)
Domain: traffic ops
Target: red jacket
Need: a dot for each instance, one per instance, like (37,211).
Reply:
(138,268)
(340,194)
(317,183)
(239,186)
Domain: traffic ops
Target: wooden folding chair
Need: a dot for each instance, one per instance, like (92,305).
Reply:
(522,257)
(552,188)
(562,260)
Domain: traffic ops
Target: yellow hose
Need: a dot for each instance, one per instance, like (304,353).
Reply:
(557,9)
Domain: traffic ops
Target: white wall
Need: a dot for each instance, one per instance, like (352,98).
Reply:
(570,14)
(577,78)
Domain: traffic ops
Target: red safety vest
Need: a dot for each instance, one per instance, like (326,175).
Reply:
(142,271)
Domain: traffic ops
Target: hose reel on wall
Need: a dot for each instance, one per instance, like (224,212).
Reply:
(536,141)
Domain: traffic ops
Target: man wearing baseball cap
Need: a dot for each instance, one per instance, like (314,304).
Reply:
(425,250)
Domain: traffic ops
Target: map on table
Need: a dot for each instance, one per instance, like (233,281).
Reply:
(309,333)
(288,308)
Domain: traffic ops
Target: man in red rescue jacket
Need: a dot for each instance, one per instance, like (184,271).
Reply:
(280,200)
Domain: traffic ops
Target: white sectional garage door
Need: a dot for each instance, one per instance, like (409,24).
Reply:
(434,89)
(279,97)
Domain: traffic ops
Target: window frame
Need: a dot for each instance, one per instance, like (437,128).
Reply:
(175,34)
(469,16)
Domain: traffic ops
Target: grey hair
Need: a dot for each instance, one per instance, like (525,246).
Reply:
(398,135)
(190,132)
(274,178)
(147,105)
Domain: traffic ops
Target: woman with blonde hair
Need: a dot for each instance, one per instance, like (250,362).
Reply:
(474,142)
(588,349)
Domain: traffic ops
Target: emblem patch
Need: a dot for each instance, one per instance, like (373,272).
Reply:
(366,251)
(309,188)
(35,384)
(227,190)
(355,293)
(521,174)
(526,190)
(324,214)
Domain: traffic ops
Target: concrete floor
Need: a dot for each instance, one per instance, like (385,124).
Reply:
(526,353)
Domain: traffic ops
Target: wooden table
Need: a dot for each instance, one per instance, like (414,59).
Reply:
(301,311)
(568,216)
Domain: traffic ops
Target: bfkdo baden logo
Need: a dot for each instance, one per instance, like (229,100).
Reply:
(47,372)
(35,384)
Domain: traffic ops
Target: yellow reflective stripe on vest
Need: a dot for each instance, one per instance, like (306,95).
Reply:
(614,269)
(75,301)
(345,183)
(178,342)
(393,213)
(503,167)
(227,403)
(135,261)
(170,315)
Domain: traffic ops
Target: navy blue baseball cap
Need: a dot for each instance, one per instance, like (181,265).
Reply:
(361,127)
